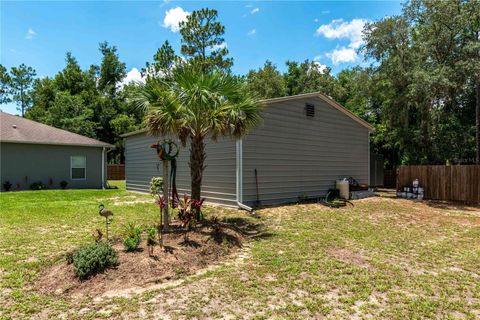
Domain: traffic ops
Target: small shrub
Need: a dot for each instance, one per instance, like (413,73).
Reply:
(186,214)
(69,257)
(63,184)
(151,242)
(132,237)
(7,185)
(93,258)
(156,186)
(38,185)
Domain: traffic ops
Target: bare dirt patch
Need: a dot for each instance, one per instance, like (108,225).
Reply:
(137,270)
(349,256)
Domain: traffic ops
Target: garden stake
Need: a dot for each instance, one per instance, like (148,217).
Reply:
(167,150)
(105,213)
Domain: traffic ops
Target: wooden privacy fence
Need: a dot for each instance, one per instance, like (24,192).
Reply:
(389,178)
(116,172)
(453,183)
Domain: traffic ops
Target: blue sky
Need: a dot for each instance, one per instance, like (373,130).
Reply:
(40,33)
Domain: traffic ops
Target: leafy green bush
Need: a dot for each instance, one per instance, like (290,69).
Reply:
(63,184)
(7,185)
(132,237)
(93,258)
(151,233)
(156,186)
(38,185)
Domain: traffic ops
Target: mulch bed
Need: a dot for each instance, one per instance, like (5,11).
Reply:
(139,270)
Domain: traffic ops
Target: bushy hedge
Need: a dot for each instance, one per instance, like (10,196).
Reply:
(38,185)
(94,258)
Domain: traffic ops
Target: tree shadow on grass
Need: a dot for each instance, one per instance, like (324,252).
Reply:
(451,205)
(190,243)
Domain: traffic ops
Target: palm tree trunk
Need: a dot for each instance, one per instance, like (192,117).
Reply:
(197,159)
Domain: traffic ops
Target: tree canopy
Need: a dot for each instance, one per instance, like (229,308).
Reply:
(421,90)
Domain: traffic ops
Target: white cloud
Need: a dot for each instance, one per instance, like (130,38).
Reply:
(252,32)
(219,46)
(132,76)
(165,2)
(173,17)
(248,6)
(320,67)
(30,34)
(325,11)
(315,20)
(342,54)
(255,10)
(339,29)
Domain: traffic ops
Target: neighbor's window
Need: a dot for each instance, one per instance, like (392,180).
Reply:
(78,167)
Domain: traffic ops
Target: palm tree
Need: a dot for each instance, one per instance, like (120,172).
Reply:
(194,106)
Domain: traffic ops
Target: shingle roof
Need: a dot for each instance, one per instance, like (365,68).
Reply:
(21,130)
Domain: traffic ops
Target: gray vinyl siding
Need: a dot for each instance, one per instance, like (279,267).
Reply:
(296,155)
(22,164)
(219,178)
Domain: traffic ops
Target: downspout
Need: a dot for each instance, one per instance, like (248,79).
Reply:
(239,174)
(369,159)
(103,168)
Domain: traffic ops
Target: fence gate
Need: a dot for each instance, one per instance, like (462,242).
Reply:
(376,170)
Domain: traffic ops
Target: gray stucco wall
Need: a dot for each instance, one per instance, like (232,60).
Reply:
(24,164)
(142,163)
(298,155)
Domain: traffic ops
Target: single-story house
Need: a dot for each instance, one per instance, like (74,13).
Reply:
(34,152)
(304,143)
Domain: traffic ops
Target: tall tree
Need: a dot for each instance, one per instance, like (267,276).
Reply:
(266,82)
(21,82)
(308,76)
(72,77)
(203,43)
(112,70)
(5,81)
(196,105)
(163,62)
(90,102)
(426,78)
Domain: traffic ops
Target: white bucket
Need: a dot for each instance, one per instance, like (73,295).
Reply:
(343,188)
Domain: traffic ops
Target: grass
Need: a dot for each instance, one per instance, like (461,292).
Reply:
(380,258)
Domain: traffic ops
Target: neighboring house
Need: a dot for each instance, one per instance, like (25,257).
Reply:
(303,145)
(32,151)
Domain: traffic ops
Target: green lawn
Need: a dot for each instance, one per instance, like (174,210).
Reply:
(380,258)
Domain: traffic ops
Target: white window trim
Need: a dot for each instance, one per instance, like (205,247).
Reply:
(71,178)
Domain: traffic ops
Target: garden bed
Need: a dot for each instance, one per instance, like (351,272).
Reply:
(137,270)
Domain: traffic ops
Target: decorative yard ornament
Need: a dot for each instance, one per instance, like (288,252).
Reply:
(105,213)
(168,150)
